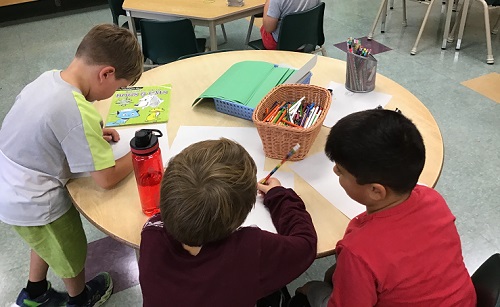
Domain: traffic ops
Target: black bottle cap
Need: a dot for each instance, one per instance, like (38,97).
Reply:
(145,141)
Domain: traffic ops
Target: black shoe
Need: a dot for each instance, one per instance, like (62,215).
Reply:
(99,290)
(51,298)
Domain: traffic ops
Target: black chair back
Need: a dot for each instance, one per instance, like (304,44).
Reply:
(486,280)
(116,10)
(302,30)
(165,41)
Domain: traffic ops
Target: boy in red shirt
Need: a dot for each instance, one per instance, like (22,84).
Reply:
(405,249)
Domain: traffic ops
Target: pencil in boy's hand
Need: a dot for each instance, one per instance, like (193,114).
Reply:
(291,153)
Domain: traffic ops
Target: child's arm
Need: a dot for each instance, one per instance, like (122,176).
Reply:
(354,282)
(270,23)
(109,177)
(289,253)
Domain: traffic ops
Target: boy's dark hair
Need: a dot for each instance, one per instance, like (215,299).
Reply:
(207,191)
(108,44)
(378,146)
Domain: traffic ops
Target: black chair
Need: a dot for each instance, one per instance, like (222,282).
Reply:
(165,41)
(187,56)
(117,10)
(486,280)
(300,31)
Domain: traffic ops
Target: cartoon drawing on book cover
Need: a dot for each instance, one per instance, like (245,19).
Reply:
(149,101)
(140,105)
(123,116)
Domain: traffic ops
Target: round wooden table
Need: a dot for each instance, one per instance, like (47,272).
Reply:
(117,212)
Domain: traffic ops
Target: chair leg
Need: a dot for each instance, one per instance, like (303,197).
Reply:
(414,49)
(379,13)
(323,51)
(462,24)
(451,35)
(384,18)
(489,50)
(405,22)
(249,32)
(223,32)
(446,32)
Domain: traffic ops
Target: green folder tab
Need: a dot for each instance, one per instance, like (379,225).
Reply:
(247,82)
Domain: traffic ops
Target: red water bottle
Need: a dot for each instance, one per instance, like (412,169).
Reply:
(148,168)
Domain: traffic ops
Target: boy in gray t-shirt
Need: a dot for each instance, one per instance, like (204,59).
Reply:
(274,11)
(51,132)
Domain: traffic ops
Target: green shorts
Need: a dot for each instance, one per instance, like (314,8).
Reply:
(62,243)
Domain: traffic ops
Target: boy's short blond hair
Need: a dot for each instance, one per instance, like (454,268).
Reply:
(108,44)
(207,191)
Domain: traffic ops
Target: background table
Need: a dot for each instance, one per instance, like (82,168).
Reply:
(117,212)
(208,13)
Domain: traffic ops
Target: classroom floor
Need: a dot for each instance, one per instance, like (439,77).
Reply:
(459,88)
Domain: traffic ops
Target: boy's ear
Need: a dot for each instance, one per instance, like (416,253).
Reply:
(377,191)
(106,72)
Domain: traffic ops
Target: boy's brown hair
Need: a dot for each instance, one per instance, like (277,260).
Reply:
(207,191)
(108,44)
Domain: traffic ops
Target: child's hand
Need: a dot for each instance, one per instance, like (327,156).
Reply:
(110,135)
(271,183)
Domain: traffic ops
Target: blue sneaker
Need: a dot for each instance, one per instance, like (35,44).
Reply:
(51,298)
(99,290)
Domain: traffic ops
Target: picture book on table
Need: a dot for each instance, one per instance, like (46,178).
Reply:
(139,105)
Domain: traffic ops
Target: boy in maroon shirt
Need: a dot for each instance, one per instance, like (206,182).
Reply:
(405,249)
(196,253)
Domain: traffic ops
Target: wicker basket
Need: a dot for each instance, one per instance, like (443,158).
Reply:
(278,140)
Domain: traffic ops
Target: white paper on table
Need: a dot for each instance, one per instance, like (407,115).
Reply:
(345,102)
(260,216)
(248,137)
(317,170)
(122,147)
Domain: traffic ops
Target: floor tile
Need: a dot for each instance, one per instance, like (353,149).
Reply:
(116,258)
(130,297)
(486,85)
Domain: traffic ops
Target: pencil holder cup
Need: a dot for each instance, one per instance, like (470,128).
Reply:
(277,140)
(360,73)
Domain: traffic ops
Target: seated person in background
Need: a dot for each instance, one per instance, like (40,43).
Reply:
(405,249)
(194,253)
(274,11)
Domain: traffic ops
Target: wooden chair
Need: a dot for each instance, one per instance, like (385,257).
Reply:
(165,41)
(300,31)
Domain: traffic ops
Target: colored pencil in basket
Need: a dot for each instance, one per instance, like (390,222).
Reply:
(291,153)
